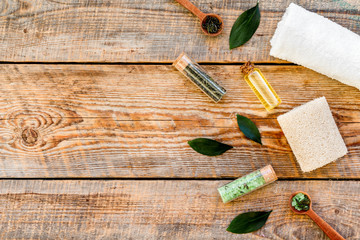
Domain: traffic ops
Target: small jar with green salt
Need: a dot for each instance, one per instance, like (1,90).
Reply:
(247,183)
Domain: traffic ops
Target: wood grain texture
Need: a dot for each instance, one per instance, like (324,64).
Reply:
(142,30)
(135,121)
(167,210)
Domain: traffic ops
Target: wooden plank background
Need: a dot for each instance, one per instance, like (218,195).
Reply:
(174,209)
(87,91)
(135,121)
(142,30)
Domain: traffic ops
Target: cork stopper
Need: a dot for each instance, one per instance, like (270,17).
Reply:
(268,174)
(247,68)
(181,62)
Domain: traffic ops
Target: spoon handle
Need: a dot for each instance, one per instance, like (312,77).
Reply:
(192,8)
(328,230)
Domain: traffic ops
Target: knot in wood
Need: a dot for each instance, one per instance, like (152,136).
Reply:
(29,136)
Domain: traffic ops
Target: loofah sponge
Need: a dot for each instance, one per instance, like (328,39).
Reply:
(312,134)
(317,43)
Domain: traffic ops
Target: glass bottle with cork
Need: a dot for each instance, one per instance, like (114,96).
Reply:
(247,184)
(197,75)
(260,86)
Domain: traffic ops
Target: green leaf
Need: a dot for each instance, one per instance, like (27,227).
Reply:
(248,222)
(244,27)
(209,147)
(249,128)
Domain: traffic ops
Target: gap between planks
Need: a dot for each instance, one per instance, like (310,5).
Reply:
(174,179)
(149,63)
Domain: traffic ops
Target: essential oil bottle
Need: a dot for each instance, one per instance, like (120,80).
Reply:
(247,184)
(196,74)
(260,86)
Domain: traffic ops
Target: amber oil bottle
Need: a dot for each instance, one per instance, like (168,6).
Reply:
(260,86)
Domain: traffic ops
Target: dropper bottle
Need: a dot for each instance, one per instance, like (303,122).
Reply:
(260,86)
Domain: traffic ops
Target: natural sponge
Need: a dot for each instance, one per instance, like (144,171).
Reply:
(312,134)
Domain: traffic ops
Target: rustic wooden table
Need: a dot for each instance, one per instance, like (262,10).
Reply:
(95,123)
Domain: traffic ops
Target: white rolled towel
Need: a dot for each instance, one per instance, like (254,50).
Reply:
(315,42)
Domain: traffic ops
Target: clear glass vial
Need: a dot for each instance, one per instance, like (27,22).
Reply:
(247,184)
(196,74)
(260,86)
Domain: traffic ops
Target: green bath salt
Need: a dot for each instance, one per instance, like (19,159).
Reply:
(300,202)
(247,184)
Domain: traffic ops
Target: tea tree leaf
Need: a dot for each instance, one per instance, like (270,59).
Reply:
(244,27)
(249,128)
(209,147)
(248,222)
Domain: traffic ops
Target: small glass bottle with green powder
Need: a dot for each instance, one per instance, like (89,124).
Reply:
(247,184)
(196,74)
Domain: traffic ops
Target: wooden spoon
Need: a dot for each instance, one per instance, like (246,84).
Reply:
(328,230)
(202,16)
